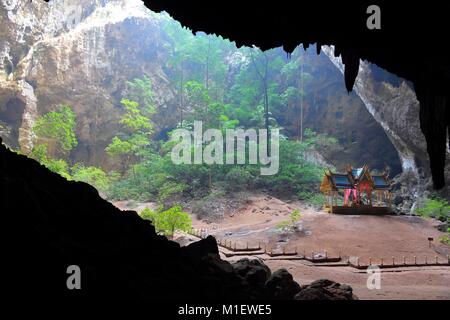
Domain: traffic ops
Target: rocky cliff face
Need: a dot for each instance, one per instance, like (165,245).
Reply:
(394,105)
(81,55)
(328,108)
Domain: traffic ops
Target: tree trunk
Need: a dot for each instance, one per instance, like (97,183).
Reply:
(181,97)
(210,178)
(301,101)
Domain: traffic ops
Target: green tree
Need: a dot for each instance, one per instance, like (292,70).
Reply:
(149,214)
(168,221)
(58,126)
(135,140)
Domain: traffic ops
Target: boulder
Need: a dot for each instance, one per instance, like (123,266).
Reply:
(202,248)
(325,289)
(281,285)
(255,272)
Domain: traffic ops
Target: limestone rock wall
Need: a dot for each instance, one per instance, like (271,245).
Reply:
(78,53)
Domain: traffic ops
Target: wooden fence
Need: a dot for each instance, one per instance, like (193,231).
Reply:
(321,256)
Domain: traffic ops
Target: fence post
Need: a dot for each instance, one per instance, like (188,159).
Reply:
(326,255)
(415,260)
(235,246)
(426,260)
(393,261)
(370,261)
(312,255)
(436,259)
(381,261)
(284,250)
(357,261)
(404,260)
(247,245)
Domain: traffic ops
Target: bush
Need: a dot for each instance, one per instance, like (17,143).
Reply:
(59,166)
(290,224)
(436,208)
(315,199)
(282,225)
(168,221)
(237,179)
(445,239)
(92,175)
(295,216)
(171,189)
(295,174)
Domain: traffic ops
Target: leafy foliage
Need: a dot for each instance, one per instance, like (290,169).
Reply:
(148,214)
(445,239)
(92,175)
(435,207)
(59,166)
(134,141)
(168,221)
(59,126)
(238,178)
(294,216)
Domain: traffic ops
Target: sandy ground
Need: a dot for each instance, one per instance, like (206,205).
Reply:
(364,237)
(404,284)
(354,236)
